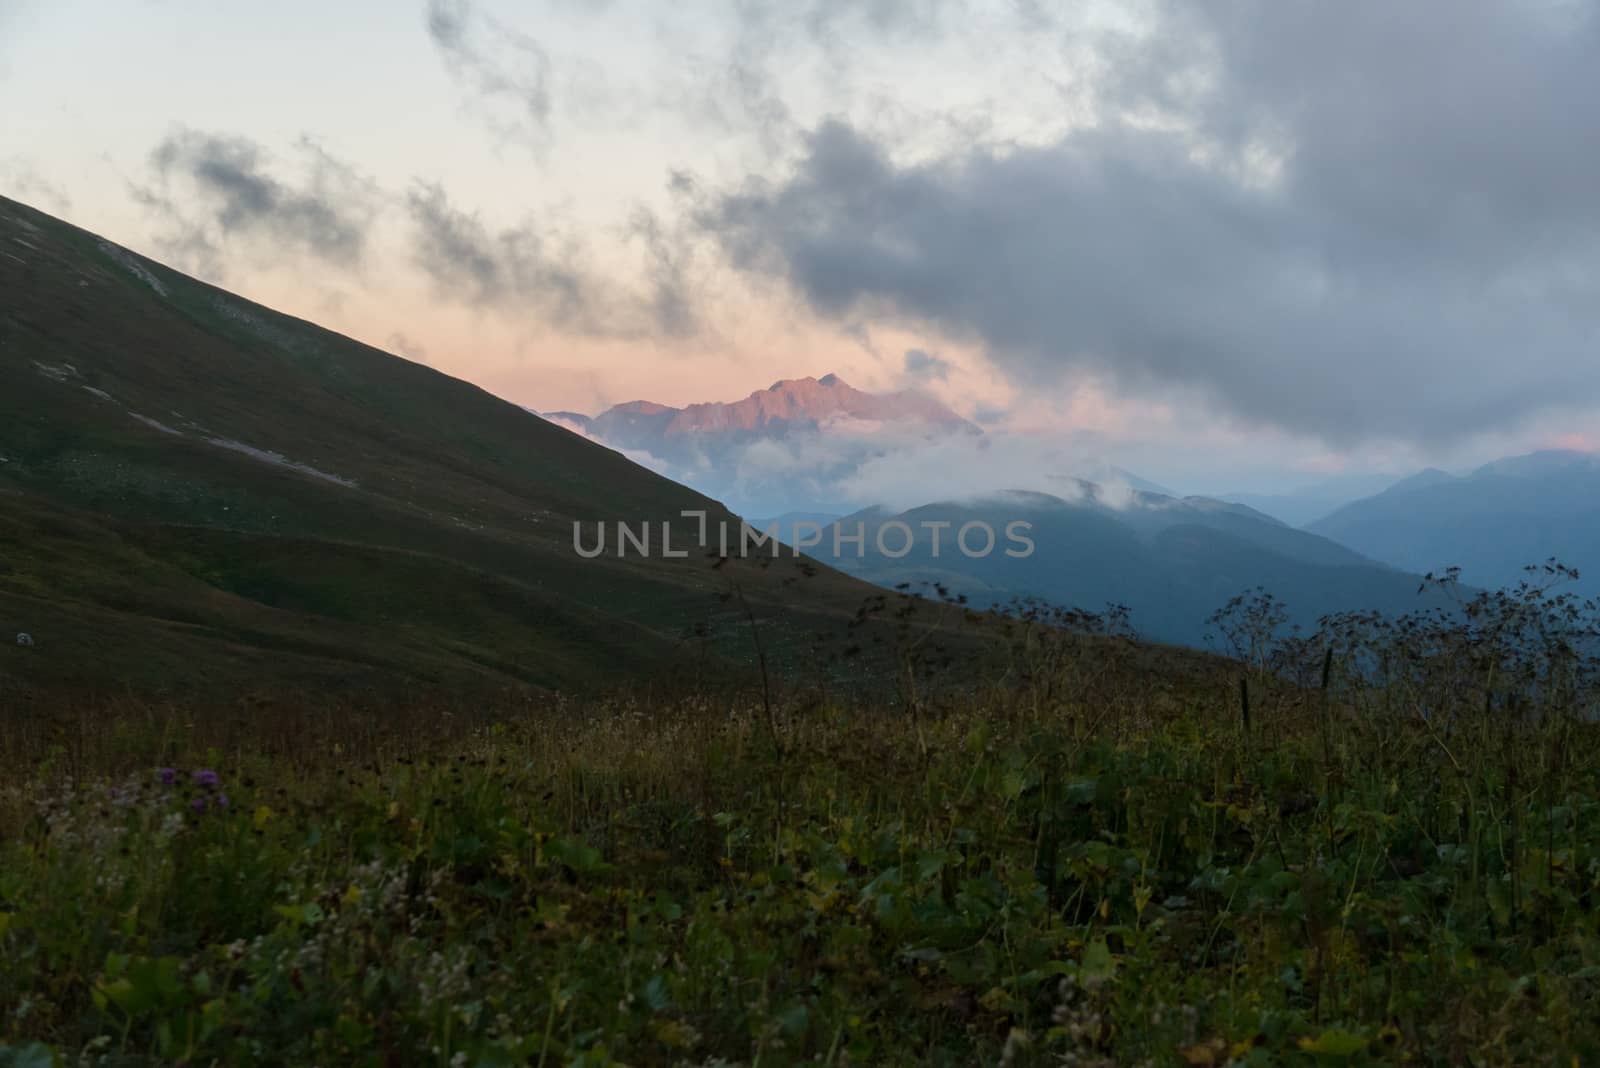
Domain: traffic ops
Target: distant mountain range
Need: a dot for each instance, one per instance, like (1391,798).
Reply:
(1308,503)
(1171,561)
(783,407)
(1342,542)
(782,448)
(790,447)
(1175,560)
(1491,523)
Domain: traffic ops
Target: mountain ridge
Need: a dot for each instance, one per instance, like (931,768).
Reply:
(776,450)
(788,402)
(1172,561)
(1493,522)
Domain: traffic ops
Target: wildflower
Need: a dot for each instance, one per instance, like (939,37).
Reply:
(169,776)
(198,804)
(207,778)
(222,801)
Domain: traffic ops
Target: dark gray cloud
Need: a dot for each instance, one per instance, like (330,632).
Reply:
(669,273)
(469,263)
(923,365)
(544,274)
(210,190)
(1356,220)
(507,72)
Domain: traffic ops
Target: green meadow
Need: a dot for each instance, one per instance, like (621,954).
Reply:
(1097,854)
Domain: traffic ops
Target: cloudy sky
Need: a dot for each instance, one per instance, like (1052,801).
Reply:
(1229,245)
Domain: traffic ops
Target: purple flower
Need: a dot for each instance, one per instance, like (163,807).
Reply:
(207,778)
(222,800)
(198,804)
(169,776)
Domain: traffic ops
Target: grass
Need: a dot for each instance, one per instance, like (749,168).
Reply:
(1087,860)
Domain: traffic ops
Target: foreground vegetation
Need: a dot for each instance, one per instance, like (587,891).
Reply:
(1090,861)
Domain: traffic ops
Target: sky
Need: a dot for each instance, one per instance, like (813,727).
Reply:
(1240,245)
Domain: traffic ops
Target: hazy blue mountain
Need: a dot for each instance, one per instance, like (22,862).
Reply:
(1172,561)
(1311,502)
(1491,523)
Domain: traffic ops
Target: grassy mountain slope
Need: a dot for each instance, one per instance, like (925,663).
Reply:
(199,493)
